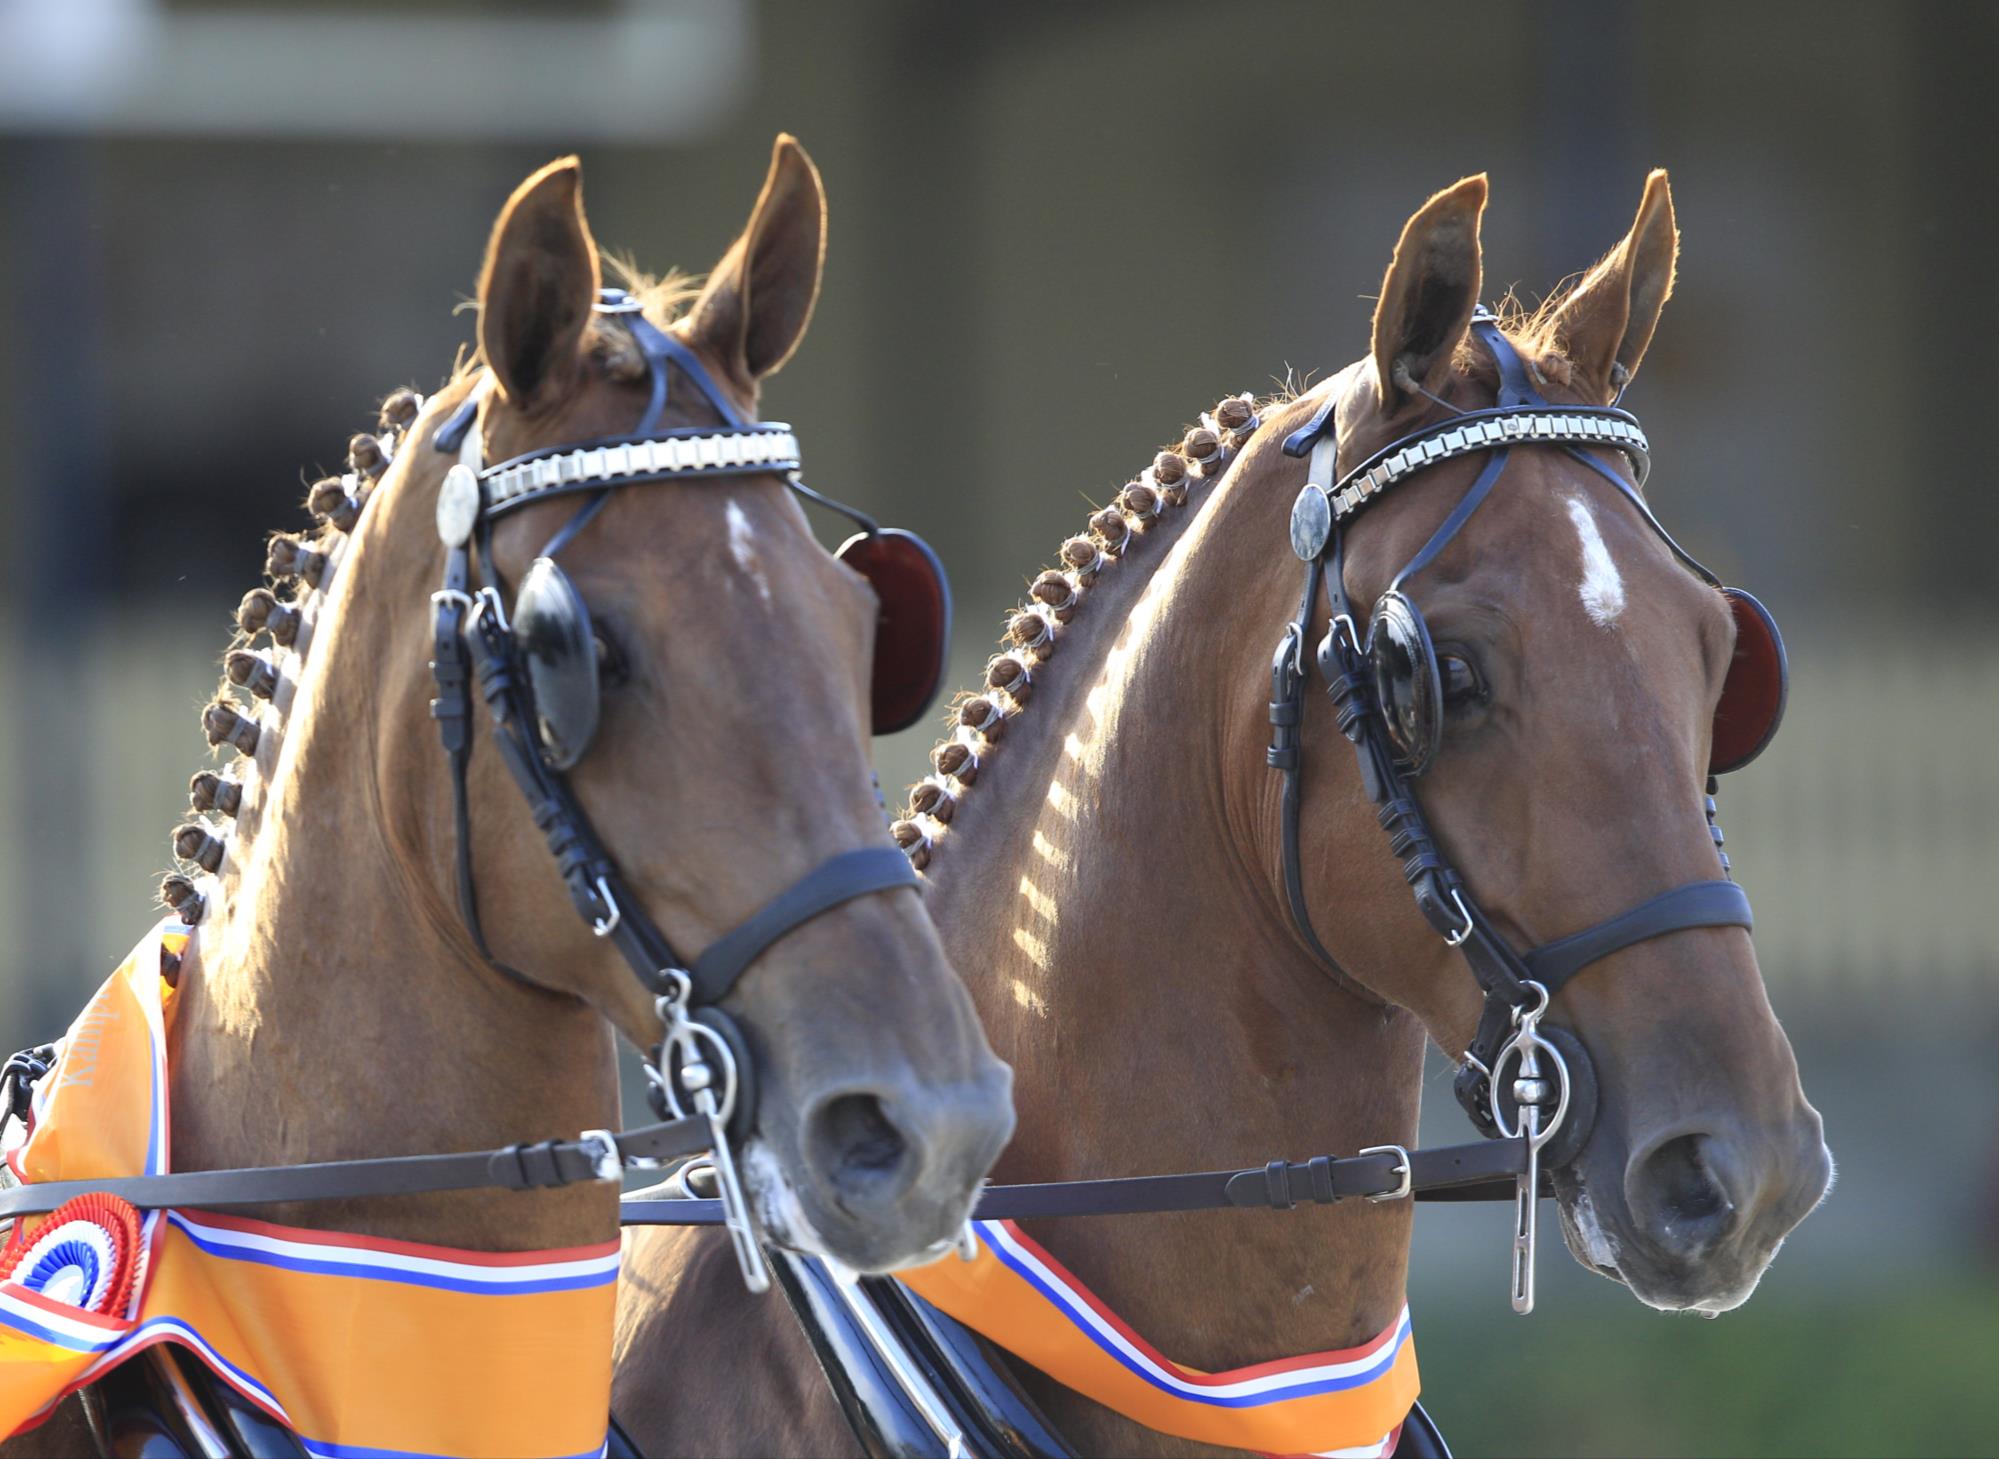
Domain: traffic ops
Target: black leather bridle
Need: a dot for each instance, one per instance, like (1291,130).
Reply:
(703,1063)
(701,1073)
(1549,1104)
(947,1389)
(1517,986)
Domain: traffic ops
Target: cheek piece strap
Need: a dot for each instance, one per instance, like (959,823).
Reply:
(703,1065)
(1517,986)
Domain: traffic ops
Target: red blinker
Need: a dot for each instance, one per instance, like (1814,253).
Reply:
(1752,697)
(913,631)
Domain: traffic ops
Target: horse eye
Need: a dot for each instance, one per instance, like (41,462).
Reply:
(611,667)
(1461,683)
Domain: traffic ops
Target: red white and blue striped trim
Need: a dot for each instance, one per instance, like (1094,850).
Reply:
(1252,1387)
(236,1238)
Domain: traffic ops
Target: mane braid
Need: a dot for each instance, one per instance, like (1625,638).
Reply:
(1035,628)
(262,663)
(274,622)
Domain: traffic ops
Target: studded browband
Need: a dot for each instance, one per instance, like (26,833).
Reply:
(1463,434)
(693,453)
(743,447)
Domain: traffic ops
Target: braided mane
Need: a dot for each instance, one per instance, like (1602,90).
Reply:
(261,667)
(1035,628)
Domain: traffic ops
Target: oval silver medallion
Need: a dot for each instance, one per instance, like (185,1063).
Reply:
(1311,522)
(458,505)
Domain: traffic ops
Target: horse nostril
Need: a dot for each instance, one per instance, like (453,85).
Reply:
(1680,1196)
(858,1150)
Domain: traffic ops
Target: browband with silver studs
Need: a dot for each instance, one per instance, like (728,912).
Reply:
(771,447)
(1482,431)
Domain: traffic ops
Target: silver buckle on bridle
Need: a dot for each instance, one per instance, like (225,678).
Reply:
(609,1163)
(1403,1168)
(700,1055)
(1531,1093)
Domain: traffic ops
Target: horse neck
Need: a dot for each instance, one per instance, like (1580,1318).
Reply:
(1116,915)
(332,1006)
(987,831)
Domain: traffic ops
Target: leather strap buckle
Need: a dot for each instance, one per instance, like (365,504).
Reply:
(1407,1188)
(602,1147)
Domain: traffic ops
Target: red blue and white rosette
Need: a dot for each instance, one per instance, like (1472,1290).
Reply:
(85,1255)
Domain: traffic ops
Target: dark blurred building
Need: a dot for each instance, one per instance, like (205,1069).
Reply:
(227,228)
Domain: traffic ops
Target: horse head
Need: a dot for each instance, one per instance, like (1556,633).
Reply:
(1584,681)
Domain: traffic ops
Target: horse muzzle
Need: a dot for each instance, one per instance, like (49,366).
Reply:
(1693,1214)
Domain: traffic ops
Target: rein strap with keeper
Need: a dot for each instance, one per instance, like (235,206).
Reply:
(596,1155)
(1483,1170)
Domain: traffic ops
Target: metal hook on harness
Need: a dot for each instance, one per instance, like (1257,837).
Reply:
(607,924)
(1463,935)
(1287,665)
(486,604)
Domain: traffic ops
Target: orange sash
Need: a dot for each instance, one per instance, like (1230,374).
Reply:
(1349,1403)
(365,1348)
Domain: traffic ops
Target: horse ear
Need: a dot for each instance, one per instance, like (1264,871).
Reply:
(1607,320)
(538,287)
(759,299)
(1430,291)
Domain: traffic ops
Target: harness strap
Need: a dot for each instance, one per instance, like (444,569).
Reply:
(450,668)
(1481,488)
(1287,714)
(1286,752)
(659,346)
(1697,904)
(586,870)
(598,1155)
(1632,495)
(1478,1171)
(1515,388)
(846,876)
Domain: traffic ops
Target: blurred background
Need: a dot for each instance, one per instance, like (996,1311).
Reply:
(1058,232)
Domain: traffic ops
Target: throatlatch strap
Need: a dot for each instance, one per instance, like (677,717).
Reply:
(847,876)
(1697,904)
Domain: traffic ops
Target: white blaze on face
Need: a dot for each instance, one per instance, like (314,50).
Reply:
(743,549)
(1602,586)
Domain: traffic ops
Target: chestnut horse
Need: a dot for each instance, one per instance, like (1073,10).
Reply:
(1103,844)
(334,1003)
